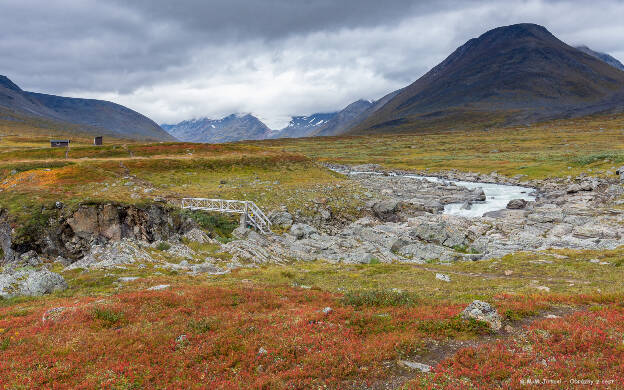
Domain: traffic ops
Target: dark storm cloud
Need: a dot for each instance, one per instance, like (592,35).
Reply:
(274,19)
(174,60)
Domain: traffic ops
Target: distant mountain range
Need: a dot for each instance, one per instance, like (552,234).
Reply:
(234,127)
(304,126)
(515,74)
(239,127)
(75,116)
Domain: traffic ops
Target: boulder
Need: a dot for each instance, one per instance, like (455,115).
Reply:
(30,258)
(198,235)
(517,204)
(282,219)
(483,311)
(301,231)
(415,366)
(241,232)
(386,210)
(439,233)
(443,277)
(574,188)
(159,287)
(587,186)
(479,195)
(30,283)
(113,255)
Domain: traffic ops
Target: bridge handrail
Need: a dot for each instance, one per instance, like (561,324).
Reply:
(247,207)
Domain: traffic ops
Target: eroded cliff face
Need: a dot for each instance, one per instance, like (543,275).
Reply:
(7,254)
(71,234)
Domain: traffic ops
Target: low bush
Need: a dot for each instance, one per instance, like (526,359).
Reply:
(108,317)
(379,298)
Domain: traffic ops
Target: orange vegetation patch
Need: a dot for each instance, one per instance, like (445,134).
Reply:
(50,178)
(212,337)
(583,350)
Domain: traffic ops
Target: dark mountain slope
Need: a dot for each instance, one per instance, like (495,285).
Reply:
(511,74)
(345,118)
(602,56)
(88,116)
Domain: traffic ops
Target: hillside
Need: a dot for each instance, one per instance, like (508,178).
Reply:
(344,119)
(509,75)
(74,116)
(602,56)
(235,127)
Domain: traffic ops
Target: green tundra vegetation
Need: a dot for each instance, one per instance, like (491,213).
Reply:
(266,327)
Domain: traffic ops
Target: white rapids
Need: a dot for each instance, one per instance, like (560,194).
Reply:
(496,195)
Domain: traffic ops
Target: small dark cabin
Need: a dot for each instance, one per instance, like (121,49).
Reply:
(97,141)
(59,143)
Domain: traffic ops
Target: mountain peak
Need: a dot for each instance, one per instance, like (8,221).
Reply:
(516,31)
(511,74)
(7,83)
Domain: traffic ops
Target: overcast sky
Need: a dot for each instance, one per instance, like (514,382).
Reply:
(175,60)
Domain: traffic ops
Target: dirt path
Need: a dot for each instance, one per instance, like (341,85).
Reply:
(439,351)
(495,276)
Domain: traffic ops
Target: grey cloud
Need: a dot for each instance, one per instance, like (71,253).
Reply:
(174,60)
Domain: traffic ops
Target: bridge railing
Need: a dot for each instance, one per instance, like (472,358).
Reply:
(253,214)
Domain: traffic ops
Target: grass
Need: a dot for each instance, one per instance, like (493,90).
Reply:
(379,298)
(380,313)
(552,149)
(227,319)
(120,335)
(544,356)
(109,318)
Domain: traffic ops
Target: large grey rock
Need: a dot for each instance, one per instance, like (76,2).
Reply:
(516,204)
(281,218)
(415,366)
(198,235)
(30,283)
(367,168)
(574,188)
(301,230)
(420,252)
(483,311)
(386,209)
(479,195)
(112,255)
(439,233)
(30,258)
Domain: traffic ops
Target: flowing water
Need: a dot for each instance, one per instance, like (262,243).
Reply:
(497,195)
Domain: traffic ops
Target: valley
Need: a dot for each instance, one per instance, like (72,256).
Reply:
(461,231)
(363,273)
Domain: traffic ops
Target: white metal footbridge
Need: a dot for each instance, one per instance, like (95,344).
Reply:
(251,213)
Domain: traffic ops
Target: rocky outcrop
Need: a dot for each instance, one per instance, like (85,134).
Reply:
(71,234)
(7,254)
(483,311)
(30,282)
(406,223)
(112,255)
(282,219)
